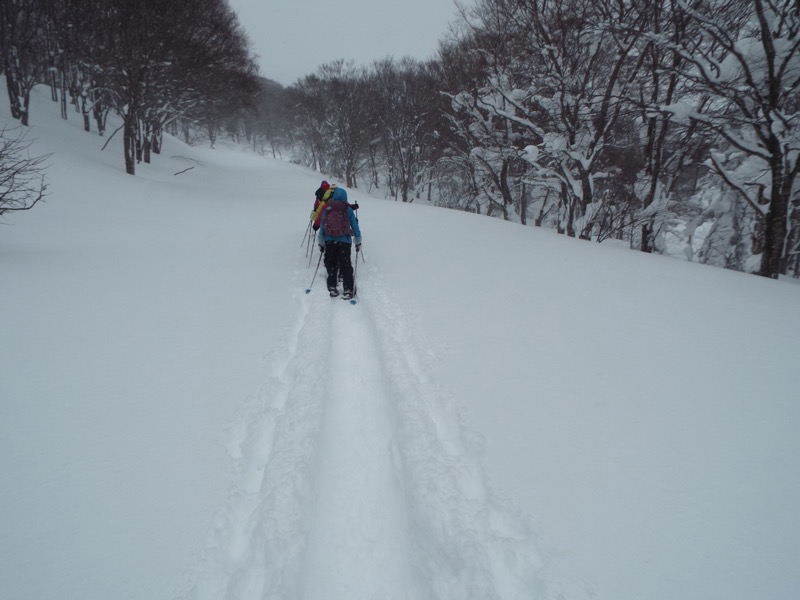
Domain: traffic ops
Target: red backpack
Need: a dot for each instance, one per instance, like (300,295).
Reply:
(337,221)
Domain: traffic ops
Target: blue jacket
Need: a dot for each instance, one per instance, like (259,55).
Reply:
(339,195)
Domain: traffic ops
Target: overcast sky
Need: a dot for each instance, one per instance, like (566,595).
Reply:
(294,37)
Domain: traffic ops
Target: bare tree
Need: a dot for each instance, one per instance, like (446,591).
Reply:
(22,182)
(405,99)
(158,60)
(267,123)
(21,26)
(347,116)
(306,101)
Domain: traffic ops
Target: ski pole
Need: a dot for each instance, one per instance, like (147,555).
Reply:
(306,235)
(310,244)
(311,255)
(308,290)
(355,271)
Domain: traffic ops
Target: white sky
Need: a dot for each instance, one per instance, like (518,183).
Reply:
(293,38)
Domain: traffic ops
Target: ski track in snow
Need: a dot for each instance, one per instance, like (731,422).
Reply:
(353,477)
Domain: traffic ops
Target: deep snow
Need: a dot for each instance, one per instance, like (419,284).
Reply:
(506,413)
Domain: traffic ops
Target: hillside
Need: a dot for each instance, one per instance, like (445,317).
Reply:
(507,413)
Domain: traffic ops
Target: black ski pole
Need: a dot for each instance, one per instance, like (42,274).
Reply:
(308,290)
(355,271)
(306,235)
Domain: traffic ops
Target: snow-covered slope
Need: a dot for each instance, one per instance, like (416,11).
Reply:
(506,413)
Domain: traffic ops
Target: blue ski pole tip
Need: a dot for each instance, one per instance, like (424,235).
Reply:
(308,291)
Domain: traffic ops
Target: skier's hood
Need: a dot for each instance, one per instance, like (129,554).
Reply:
(339,195)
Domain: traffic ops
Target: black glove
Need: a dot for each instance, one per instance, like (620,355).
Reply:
(321,249)
(358,247)
(354,206)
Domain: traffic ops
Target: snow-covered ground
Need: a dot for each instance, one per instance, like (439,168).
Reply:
(506,413)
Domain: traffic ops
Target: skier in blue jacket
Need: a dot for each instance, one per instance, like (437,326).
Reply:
(337,229)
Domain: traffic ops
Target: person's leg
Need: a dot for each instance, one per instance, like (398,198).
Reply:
(332,264)
(346,267)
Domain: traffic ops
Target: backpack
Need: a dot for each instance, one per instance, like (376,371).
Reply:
(337,221)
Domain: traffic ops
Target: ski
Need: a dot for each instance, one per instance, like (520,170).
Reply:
(353,300)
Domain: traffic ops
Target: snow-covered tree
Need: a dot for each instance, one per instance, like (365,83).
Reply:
(488,144)
(746,61)
(461,67)
(553,98)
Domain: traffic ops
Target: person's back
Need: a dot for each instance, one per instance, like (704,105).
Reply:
(338,227)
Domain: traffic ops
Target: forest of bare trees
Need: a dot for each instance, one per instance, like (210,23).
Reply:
(664,124)
(155,64)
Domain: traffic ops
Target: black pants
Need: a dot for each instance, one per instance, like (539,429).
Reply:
(337,260)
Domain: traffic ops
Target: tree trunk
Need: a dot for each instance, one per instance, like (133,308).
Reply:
(775,221)
(13,98)
(129,144)
(146,146)
(571,216)
(505,191)
(97,112)
(63,104)
(26,108)
(212,133)
(646,244)
(53,81)
(563,201)
(157,141)
(586,200)
(350,173)
(87,123)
